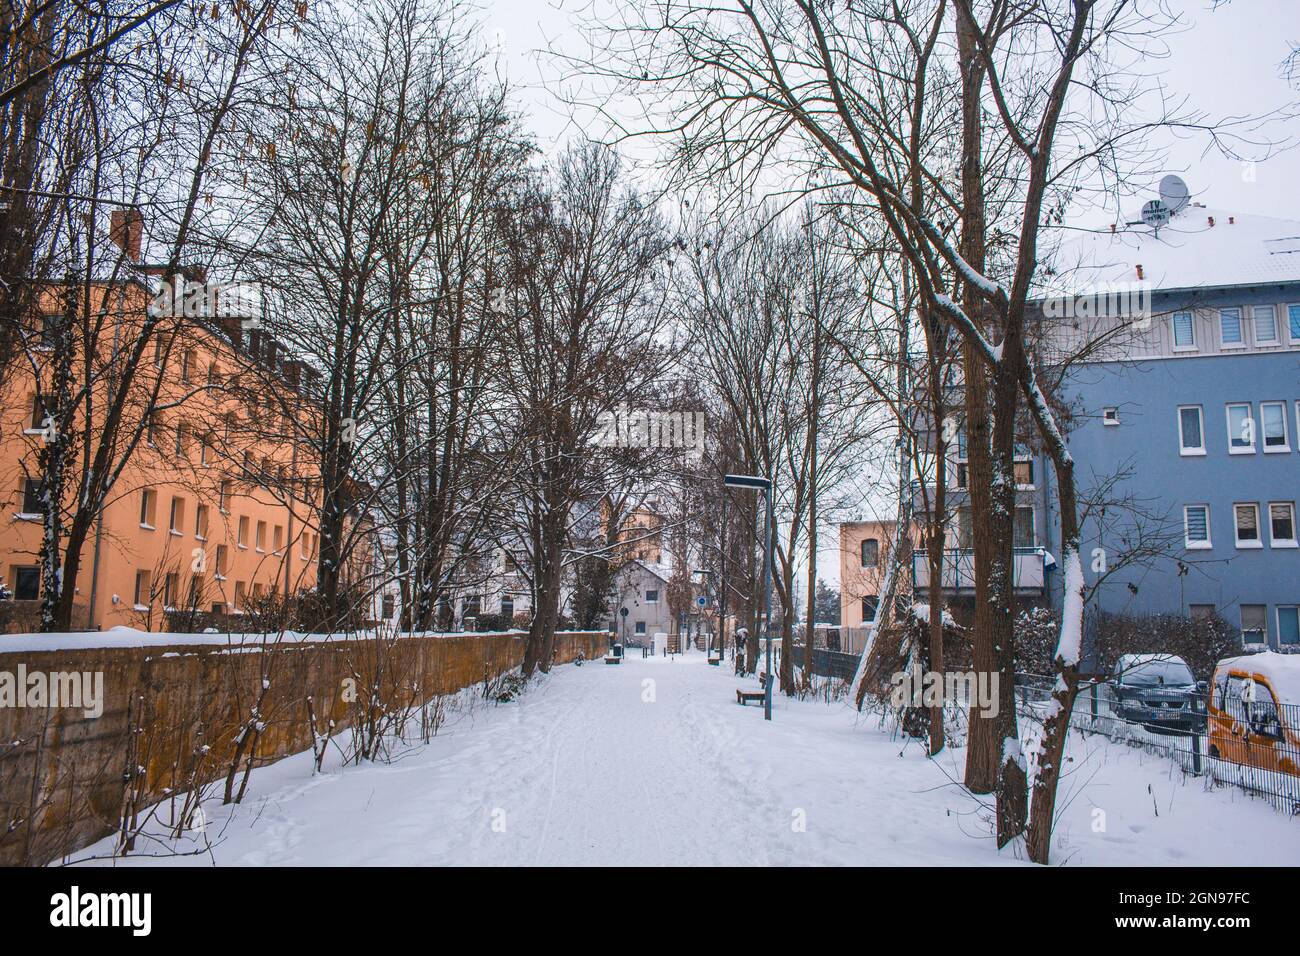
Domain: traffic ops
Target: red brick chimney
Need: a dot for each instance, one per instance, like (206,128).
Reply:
(126,230)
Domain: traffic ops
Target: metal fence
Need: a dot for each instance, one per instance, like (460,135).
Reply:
(825,663)
(1251,744)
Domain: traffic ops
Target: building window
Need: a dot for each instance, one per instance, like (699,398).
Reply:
(652,596)
(1281,522)
(171,588)
(182,446)
(1265,319)
(508,609)
(870,552)
(1253,626)
(1196,526)
(639,628)
(148,503)
(176,518)
(142,596)
(1110,416)
(151,430)
(51,323)
(205,450)
(1288,625)
(213,377)
(33,503)
(242,539)
(869,605)
(1246,519)
(388,605)
(1191,436)
(1241,429)
(1230,331)
(1272,420)
(259,542)
(1023,528)
(201,522)
(1201,612)
(240,595)
(27,583)
(39,415)
(1184,331)
(220,569)
(187,363)
(223,497)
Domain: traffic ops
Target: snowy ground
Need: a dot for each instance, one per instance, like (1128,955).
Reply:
(652,762)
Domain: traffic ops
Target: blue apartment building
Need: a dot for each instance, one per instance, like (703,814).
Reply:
(1186,425)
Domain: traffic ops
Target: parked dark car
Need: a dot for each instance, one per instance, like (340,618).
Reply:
(1157,691)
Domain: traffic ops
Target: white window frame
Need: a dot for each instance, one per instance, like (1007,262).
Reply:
(1254,428)
(1293,340)
(1173,331)
(1189,451)
(1278,621)
(1254,327)
(1247,544)
(1188,543)
(1283,448)
(1290,542)
(1110,415)
(1263,633)
(1241,327)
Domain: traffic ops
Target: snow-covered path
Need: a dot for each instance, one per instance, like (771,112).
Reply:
(652,762)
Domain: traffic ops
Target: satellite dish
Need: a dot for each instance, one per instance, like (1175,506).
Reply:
(1155,213)
(1174,193)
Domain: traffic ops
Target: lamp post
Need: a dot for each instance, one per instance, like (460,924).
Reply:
(756,483)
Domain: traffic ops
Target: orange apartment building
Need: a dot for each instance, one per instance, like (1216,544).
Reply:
(214,508)
(864,557)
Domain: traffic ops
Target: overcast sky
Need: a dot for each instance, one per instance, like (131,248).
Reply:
(1226,61)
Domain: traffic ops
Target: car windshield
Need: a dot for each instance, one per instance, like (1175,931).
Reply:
(1156,673)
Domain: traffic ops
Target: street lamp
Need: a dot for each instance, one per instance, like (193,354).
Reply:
(755,483)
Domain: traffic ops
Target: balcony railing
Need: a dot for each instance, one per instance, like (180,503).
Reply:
(959,570)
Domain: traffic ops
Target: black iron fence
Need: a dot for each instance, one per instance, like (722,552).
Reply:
(1249,741)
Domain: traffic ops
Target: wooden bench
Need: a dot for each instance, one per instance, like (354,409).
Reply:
(611,659)
(744,696)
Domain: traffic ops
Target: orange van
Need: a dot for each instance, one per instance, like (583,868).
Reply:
(1253,712)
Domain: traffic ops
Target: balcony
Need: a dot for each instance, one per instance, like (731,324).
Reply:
(959,571)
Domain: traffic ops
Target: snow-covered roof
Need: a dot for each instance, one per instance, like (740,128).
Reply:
(1199,248)
(1281,670)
